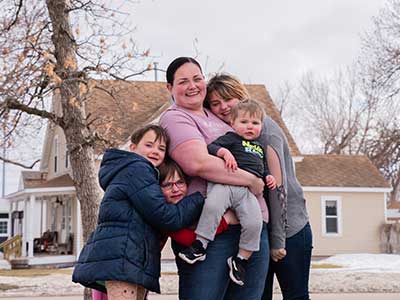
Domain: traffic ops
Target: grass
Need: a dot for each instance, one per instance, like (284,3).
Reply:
(34,272)
(325,266)
(5,287)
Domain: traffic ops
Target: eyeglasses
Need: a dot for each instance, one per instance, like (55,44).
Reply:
(168,185)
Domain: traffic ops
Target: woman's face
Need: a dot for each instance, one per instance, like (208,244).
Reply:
(221,107)
(189,87)
(174,188)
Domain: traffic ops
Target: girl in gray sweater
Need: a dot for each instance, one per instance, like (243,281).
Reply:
(289,229)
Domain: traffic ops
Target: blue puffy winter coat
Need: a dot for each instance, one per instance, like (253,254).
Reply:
(125,245)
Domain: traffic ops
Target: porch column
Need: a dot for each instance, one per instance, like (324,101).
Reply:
(32,204)
(24,228)
(9,224)
(78,233)
(44,215)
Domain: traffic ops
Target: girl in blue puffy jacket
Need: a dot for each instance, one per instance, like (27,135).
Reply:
(124,250)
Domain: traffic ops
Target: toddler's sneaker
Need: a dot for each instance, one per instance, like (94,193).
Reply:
(237,268)
(195,252)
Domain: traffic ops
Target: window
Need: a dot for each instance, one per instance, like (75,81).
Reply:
(53,225)
(3,224)
(66,159)
(3,227)
(63,217)
(331,215)
(69,212)
(55,154)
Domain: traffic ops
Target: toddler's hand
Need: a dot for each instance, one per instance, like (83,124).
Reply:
(271,182)
(230,161)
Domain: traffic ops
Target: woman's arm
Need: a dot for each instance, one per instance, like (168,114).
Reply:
(194,159)
(274,165)
(277,206)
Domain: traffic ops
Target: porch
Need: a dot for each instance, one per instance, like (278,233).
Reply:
(43,262)
(48,219)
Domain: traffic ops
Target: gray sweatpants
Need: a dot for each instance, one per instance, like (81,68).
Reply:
(221,197)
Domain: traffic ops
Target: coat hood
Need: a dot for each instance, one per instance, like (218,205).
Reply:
(115,160)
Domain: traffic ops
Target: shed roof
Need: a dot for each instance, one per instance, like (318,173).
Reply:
(339,171)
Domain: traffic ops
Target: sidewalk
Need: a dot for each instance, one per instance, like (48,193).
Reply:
(369,296)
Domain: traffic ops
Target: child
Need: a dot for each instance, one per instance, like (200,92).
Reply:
(173,184)
(238,149)
(124,250)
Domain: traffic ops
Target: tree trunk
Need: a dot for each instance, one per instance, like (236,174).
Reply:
(78,135)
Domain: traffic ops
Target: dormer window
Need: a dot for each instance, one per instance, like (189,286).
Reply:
(55,154)
(66,158)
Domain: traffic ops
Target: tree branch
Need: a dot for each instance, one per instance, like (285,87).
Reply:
(19,6)
(9,161)
(13,104)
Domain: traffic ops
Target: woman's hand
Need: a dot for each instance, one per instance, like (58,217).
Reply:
(277,254)
(257,186)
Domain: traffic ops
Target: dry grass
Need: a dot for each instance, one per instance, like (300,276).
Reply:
(34,272)
(5,287)
(325,266)
(45,272)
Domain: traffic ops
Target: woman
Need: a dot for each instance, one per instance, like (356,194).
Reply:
(191,127)
(290,232)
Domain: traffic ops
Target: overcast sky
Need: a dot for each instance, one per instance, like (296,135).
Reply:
(260,41)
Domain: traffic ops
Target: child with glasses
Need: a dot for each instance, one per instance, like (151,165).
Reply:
(173,184)
(238,149)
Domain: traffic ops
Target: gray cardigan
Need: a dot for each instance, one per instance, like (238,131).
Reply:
(288,215)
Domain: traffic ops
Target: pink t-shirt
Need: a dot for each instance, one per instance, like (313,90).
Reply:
(182,126)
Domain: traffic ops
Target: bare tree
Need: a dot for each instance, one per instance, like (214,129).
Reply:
(339,116)
(330,110)
(380,57)
(379,65)
(55,47)
(356,111)
(283,97)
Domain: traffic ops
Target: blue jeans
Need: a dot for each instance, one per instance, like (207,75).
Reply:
(293,270)
(210,280)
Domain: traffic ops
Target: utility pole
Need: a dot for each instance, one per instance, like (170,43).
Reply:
(155,71)
(3,173)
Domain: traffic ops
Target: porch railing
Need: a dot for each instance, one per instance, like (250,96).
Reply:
(12,247)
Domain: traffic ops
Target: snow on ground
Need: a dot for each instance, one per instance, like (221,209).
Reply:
(374,263)
(358,273)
